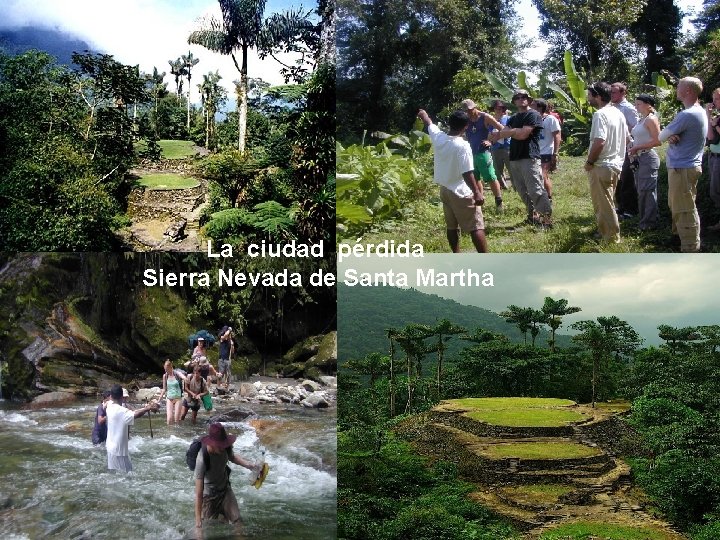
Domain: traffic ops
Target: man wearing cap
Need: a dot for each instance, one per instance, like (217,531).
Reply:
(608,141)
(524,129)
(477,134)
(119,418)
(686,135)
(453,171)
(213,495)
(626,193)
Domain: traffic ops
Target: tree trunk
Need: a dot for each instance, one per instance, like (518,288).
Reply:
(242,101)
(392,379)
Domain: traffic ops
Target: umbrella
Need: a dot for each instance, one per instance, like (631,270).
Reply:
(209,338)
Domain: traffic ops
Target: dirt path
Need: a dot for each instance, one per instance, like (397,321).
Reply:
(539,493)
(157,214)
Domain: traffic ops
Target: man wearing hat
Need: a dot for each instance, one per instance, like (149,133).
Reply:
(213,495)
(118,420)
(477,134)
(524,128)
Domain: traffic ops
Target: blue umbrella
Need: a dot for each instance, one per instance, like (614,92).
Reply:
(207,336)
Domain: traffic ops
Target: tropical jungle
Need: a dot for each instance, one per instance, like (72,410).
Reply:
(395,58)
(508,428)
(99,156)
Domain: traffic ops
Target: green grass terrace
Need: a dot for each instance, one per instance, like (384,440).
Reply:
(519,412)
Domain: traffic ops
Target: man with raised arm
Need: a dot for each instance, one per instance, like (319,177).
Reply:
(453,170)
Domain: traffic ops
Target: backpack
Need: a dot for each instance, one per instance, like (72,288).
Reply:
(193,451)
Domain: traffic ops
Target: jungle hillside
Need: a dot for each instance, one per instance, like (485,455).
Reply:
(98,155)
(453,431)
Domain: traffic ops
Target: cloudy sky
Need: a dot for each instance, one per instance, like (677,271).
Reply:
(645,290)
(145,32)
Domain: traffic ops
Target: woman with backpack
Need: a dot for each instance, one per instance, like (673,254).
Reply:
(172,390)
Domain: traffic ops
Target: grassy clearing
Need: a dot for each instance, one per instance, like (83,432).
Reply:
(537,494)
(527,417)
(510,402)
(177,149)
(540,450)
(603,531)
(160,181)
(573,216)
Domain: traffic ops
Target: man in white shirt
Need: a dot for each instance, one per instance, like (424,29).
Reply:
(608,140)
(453,171)
(118,420)
(550,139)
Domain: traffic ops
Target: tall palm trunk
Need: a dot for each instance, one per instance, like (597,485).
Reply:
(242,101)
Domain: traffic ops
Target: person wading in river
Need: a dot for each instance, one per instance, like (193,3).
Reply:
(213,495)
(119,419)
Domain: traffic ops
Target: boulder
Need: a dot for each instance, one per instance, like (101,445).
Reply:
(53,398)
(147,394)
(248,390)
(310,386)
(315,401)
(327,380)
(234,415)
(300,352)
(326,357)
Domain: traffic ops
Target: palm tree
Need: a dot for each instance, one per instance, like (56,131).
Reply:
(554,310)
(519,316)
(177,68)
(444,329)
(242,28)
(211,94)
(189,61)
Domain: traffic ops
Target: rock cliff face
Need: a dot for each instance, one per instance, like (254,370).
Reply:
(76,322)
(79,322)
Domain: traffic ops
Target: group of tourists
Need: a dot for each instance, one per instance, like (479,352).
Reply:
(622,165)
(213,495)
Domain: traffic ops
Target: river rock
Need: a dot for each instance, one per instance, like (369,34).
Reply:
(53,398)
(327,380)
(303,350)
(147,394)
(315,401)
(326,357)
(310,386)
(233,415)
(248,390)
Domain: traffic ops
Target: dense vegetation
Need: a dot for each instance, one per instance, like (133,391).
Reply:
(673,388)
(390,66)
(70,135)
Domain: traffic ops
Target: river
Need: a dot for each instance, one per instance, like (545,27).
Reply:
(55,484)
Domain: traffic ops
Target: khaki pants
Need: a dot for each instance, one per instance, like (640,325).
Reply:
(682,189)
(603,181)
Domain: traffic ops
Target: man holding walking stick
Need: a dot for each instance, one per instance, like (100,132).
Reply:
(118,420)
(227,348)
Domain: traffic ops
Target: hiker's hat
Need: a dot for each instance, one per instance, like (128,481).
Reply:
(468,105)
(646,98)
(217,436)
(521,93)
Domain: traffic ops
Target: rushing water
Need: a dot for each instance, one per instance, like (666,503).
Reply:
(55,484)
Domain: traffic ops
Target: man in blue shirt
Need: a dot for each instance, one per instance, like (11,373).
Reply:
(686,135)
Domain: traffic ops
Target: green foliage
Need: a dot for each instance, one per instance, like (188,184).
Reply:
(269,220)
(375,182)
(231,170)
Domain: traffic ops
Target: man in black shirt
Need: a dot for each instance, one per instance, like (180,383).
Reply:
(524,129)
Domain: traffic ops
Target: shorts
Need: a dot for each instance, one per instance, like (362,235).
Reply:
(224,365)
(483,167)
(546,158)
(461,212)
(192,404)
